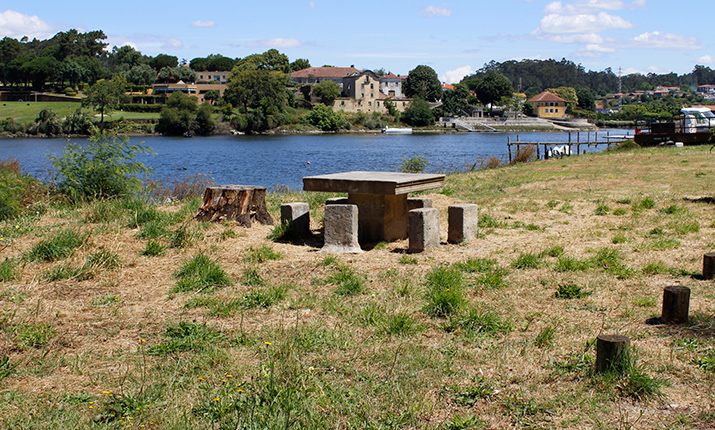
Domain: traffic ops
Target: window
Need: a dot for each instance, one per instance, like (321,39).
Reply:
(369,103)
(372,86)
(556,110)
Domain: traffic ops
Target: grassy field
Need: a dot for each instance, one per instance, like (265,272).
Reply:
(127,315)
(26,112)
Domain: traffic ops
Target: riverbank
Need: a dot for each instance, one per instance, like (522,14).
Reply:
(114,334)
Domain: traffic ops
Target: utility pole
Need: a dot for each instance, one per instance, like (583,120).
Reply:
(620,89)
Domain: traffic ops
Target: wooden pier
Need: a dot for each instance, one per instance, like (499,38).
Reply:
(572,144)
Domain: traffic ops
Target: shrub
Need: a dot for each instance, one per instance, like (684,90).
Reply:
(17,191)
(105,168)
(416,164)
(524,154)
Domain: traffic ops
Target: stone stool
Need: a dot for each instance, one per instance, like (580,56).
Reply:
(341,229)
(297,217)
(418,203)
(462,222)
(424,229)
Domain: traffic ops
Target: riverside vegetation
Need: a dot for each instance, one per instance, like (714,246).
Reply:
(119,313)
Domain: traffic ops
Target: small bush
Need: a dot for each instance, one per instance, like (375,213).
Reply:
(524,154)
(416,164)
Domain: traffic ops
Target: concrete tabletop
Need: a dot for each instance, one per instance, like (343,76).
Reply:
(385,183)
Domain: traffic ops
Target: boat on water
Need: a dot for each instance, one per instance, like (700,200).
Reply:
(691,128)
(397,130)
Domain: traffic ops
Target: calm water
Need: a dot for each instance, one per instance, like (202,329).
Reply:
(285,160)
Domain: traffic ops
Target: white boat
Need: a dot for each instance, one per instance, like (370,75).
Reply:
(405,130)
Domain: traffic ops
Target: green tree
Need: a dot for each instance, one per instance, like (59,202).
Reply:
(269,60)
(177,116)
(78,123)
(492,88)
(568,94)
(163,60)
(586,99)
(47,123)
(127,56)
(42,70)
(325,118)
(454,102)
(212,95)
(72,72)
(105,168)
(257,89)
(142,74)
(423,82)
(176,74)
(327,91)
(105,97)
(299,64)
(418,113)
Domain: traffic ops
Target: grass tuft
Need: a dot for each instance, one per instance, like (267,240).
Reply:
(200,274)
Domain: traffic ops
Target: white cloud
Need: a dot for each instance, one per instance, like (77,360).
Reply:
(435,11)
(16,25)
(457,74)
(582,23)
(590,38)
(659,40)
(588,6)
(311,4)
(706,59)
(278,43)
(206,23)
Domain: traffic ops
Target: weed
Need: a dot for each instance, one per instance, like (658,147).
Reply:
(61,245)
(331,260)
(262,254)
(488,221)
(107,300)
(33,335)
(478,320)
(656,268)
(545,337)
(528,261)
(644,302)
(348,282)
(644,203)
(673,210)
(400,324)
(200,274)
(624,201)
(468,395)
(476,265)
(264,298)
(445,292)
(406,259)
(103,259)
(602,209)
(571,291)
(252,277)
(555,251)
(706,361)
(663,244)
(153,230)
(186,336)
(182,237)
(8,270)
(619,238)
(463,422)
(571,264)
(415,164)
(59,273)
(7,368)
(492,280)
(619,212)
(684,227)
(566,207)
(153,249)
(552,204)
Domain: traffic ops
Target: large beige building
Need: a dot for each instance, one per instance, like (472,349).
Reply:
(361,91)
(548,105)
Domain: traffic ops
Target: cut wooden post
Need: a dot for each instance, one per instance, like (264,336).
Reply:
(611,353)
(676,302)
(709,265)
(235,202)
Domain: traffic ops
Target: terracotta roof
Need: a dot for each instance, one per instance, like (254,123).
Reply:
(546,96)
(324,72)
(391,75)
(446,86)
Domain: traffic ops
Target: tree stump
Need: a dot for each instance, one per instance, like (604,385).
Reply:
(611,353)
(709,265)
(242,203)
(676,302)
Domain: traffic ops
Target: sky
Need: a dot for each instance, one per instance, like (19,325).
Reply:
(454,37)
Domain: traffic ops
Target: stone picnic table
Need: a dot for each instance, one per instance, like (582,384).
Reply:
(381,198)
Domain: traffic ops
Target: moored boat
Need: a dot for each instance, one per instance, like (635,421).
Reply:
(692,128)
(397,130)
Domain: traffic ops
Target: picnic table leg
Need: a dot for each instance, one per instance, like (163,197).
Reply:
(381,217)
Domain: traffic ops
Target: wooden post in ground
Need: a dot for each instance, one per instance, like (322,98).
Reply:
(538,157)
(508,147)
(676,302)
(709,265)
(612,353)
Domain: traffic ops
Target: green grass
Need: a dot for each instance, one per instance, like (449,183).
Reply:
(348,282)
(571,291)
(200,273)
(8,270)
(26,112)
(59,246)
(444,292)
(528,261)
(186,336)
(261,254)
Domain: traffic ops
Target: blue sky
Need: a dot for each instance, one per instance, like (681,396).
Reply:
(454,37)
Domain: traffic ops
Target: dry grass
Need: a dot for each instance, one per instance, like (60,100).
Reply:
(516,357)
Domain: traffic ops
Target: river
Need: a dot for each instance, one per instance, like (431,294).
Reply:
(285,159)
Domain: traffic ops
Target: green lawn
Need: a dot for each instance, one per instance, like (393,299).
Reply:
(26,112)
